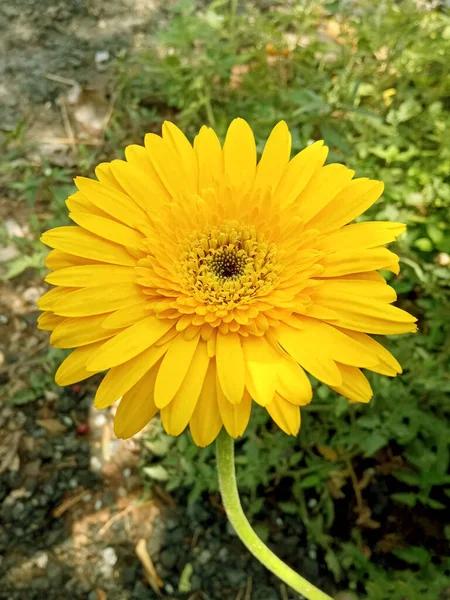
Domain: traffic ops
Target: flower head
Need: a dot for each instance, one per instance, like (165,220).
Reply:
(202,280)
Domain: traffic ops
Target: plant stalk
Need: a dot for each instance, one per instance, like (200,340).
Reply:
(236,516)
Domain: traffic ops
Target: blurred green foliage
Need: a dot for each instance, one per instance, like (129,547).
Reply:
(373,80)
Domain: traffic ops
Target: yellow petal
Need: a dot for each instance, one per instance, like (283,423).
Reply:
(174,368)
(50,298)
(299,172)
(292,382)
(261,366)
(76,240)
(285,415)
(176,415)
(206,421)
(339,346)
(127,316)
(275,158)
(358,236)
(60,260)
(357,261)
(325,184)
(358,310)
(138,157)
(79,332)
(122,378)
(210,158)
(388,364)
(112,201)
(145,191)
(354,385)
(188,159)
(235,417)
(108,229)
(137,407)
(73,368)
(49,321)
(98,299)
(348,288)
(239,152)
(91,275)
(304,347)
(78,203)
(166,163)
(230,366)
(354,199)
(106,178)
(129,343)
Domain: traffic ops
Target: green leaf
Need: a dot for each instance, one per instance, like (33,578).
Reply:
(408,477)
(373,443)
(157,472)
(405,498)
(414,555)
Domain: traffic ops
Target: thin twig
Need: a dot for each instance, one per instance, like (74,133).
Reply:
(60,79)
(67,124)
(69,142)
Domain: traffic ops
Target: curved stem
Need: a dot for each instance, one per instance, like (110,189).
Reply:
(232,504)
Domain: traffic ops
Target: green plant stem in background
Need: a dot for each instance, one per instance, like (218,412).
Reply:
(233,508)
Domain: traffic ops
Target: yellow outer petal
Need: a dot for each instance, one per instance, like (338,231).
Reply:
(79,332)
(261,362)
(322,188)
(292,382)
(339,346)
(210,158)
(304,347)
(104,175)
(108,229)
(355,199)
(140,186)
(357,261)
(124,317)
(138,156)
(129,343)
(76,240)
(188,159)
(388,364)
(56,259)
(91,275)
(166,163)
(285,415)
(178,413)
(48,321)
(275,158)
(112,201)
(52,297)
(206,421)
(235,417)
(98,299)
(299,172)
(73,368)
(358,236)
(137,407)
(354,385)
(122,378)
(239,152)
(230,366)
(174,368)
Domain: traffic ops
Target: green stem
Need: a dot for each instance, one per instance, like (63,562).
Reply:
(232,504)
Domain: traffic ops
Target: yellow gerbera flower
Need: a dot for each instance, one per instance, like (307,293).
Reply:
(201,280)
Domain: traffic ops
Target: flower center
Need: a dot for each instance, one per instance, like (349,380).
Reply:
(228,264)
